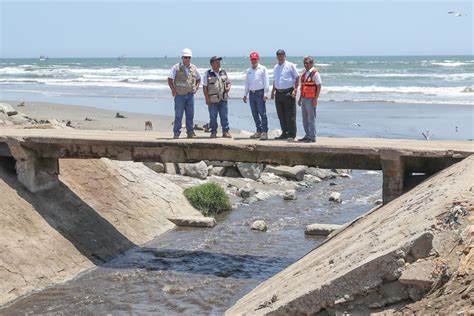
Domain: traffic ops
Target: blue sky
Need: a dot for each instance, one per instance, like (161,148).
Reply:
(231,28)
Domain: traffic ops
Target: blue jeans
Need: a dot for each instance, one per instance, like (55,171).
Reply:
(183,104)
(221,109)
(259,111)
(309,118)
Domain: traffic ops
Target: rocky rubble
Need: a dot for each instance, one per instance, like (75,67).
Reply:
(412,256)
(248,183)
(11,117)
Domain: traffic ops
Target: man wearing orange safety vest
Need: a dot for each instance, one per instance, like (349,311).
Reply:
(310,89)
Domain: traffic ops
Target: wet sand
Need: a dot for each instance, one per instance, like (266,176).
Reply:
(334,119)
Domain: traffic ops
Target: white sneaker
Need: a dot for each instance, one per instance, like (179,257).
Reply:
(264,136)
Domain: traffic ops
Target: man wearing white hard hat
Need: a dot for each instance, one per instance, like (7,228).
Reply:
(184,80)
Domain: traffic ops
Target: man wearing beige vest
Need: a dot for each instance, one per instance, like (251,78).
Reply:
(216,86)
(184,80)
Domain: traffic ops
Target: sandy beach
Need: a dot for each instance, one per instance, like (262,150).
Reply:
(334,119)
(86,117)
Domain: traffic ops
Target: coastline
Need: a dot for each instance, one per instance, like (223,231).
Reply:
(334,119)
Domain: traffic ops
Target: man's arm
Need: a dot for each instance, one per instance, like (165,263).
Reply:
(316,96)
(171,84)
(171,77)
(266,84)
(198,81)
(206,94)
(246,91)
(273,90)
(196,87)
(297,83)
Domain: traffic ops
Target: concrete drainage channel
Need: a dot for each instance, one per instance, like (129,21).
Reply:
(206,270)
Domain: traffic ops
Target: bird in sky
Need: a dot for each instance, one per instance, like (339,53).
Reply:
(458,14)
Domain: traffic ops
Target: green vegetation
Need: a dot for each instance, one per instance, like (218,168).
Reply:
(209,198)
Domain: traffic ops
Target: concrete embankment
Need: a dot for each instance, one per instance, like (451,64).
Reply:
(101,209)
(419,247)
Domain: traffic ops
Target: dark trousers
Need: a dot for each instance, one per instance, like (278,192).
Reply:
(286,110)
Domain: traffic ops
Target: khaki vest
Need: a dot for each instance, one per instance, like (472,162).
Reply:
(183,83)
(216,86)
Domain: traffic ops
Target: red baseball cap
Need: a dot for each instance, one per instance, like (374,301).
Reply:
(254,55)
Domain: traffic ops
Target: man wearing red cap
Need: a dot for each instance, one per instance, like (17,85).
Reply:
(256,87)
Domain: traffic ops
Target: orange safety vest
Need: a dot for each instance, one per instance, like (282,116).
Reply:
(308,86)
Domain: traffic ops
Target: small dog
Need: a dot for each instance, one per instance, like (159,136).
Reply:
(148,126)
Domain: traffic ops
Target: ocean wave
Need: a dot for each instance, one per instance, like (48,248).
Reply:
(65,70)
(160,82)
(430,91)
(455,76)
(449,63)
(401,100)
(89,83)
(380,90)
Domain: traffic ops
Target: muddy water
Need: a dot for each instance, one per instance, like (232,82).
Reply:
(205,271)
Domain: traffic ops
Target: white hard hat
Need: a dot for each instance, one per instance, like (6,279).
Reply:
(187,53)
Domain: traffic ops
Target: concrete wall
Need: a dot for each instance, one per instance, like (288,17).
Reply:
(364,261)
(100,209)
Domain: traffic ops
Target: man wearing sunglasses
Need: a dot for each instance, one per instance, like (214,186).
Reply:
(184,80)
(310,89)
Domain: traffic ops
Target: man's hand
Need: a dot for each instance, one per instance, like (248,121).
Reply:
(245,99)
(265,98)
(208,102)
(314,102)
(272,95)
(173,92)
(293,94)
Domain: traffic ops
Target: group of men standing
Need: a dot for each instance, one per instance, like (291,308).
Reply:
(184,81)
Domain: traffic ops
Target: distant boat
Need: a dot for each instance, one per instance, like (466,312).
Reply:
(43,58)
(165,57)
(122,57)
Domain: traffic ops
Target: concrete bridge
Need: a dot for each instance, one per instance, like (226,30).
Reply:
(404,163)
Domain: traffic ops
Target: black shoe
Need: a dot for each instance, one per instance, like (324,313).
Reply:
(308,140)
(302,139)
(282,136)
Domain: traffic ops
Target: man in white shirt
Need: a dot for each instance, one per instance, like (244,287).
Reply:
(285,85)
(183,80)
(256,87)
(310,89)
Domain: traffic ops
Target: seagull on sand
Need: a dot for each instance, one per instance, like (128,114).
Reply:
(427,134)
(458,14)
